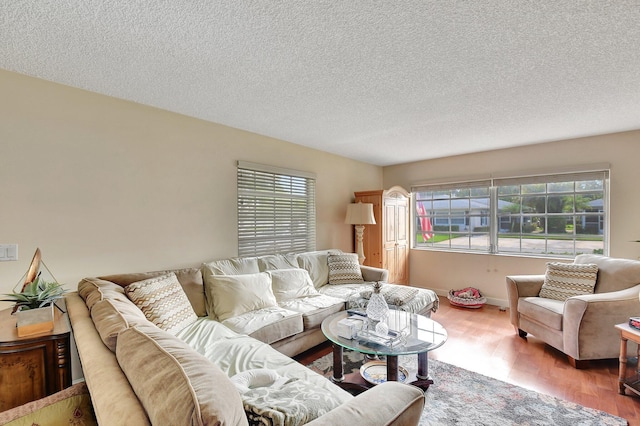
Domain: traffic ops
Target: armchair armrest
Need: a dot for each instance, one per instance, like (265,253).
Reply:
(370,273)
(389,403)
(588,322)
(521,286)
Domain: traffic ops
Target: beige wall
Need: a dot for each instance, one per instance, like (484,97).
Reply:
(444,271)
(105,186)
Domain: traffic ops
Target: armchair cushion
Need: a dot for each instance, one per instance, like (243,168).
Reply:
(564,280)
(547,311)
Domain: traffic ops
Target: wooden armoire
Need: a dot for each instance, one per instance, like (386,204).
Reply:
(386,244)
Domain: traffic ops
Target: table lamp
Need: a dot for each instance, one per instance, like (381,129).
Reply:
(360,214)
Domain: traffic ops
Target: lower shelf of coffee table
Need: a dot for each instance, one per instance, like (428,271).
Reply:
(355,384)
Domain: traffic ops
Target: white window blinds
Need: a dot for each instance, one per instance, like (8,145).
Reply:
(276,210)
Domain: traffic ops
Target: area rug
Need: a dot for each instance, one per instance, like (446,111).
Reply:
(462,397)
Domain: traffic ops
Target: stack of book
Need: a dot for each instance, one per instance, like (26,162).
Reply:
(634,322)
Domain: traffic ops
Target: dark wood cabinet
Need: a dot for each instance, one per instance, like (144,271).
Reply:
(33,367)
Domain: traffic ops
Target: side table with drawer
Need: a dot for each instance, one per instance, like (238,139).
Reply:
(33,367)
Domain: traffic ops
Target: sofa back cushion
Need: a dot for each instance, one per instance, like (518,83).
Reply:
(93,290)
(175,384)
(233,266)
(232,295)
(291,283)
(111,316)
(277,261)
(613,273)
(564,280)
(189,278)
(163,302)
(317,264)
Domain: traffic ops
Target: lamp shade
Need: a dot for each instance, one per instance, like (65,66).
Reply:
(360,214)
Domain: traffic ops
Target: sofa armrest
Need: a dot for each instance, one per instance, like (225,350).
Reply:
(389,403)
(588,322)
(521,286)
(371,273)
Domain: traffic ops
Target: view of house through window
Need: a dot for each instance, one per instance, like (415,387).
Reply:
(276,210)
(552,215)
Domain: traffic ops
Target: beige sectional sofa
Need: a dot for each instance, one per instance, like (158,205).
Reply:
(186,347)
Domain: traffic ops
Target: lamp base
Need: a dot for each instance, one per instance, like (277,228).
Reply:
(359,245)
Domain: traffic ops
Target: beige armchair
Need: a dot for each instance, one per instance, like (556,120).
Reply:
(582,326)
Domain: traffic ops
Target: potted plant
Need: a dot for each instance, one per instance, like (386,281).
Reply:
(36,294)
(34,305)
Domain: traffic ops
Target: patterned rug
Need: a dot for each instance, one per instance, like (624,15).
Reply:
(462,397)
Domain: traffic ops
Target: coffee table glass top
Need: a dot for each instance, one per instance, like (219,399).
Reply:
(420,334)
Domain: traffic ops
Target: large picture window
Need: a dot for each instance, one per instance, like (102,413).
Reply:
(276,210)
(547,215)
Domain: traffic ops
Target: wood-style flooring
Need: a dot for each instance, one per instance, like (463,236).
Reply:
(483,340)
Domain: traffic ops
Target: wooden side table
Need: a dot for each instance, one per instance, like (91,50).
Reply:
(33,367)
(632,383)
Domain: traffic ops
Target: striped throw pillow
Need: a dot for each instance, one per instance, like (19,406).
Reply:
(163,302)
(344,269)
(564,280)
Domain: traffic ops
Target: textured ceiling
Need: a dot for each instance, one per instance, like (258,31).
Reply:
(384,82)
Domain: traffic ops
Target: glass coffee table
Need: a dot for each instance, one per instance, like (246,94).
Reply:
(409,334)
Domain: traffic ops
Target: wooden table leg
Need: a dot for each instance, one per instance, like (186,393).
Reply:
(623,365)
(392,368)
(423,381)
(338,366)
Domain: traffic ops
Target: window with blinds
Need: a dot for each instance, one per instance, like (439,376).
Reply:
(276,210)
(557,215)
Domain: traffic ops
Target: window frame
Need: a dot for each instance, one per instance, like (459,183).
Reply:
(498,218)
(275,210)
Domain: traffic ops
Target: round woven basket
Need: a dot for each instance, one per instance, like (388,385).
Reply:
(467,298)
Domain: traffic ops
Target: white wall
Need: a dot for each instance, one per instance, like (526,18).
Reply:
(443,271)
(106,186)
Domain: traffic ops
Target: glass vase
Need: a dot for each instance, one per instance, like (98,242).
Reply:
(377,308)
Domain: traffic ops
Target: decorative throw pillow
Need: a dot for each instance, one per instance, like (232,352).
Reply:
(344,269)
(163,302)
(232,295)
(564,280)
(291,284)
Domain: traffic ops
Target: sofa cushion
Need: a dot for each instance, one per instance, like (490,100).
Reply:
(232,295)
(267,325)
(233,266)
(316,263)
(546,311)
(93,290)
(175,384)
(189,278)
(314,309)
(344,269)
(163,302)
(564,280)
(613,274)
(111,316)
(277,261)
(291,284)
(272,399)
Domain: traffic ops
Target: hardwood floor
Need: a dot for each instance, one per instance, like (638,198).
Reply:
(483,340)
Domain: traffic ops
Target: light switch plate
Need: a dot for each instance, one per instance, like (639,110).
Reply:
(8,252)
